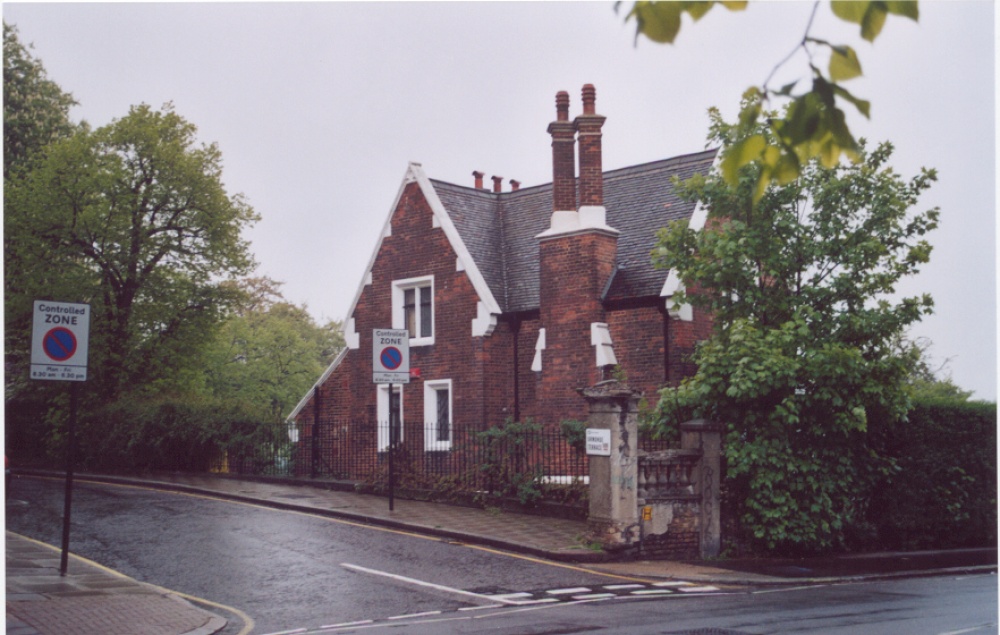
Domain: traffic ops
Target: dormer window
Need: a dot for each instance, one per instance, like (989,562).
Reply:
(413,308)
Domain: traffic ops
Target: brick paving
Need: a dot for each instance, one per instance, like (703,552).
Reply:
(89,600)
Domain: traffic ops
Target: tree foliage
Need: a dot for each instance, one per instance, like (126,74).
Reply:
(134,219)
(803,361)
(813,125)
(35,108)
(269,352)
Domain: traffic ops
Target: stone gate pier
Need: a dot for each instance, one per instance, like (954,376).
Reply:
(660,504)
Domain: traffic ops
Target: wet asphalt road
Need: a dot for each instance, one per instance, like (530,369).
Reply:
(286,571)
(283,569)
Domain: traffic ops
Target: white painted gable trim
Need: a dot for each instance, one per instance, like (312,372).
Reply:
(441,216)
(366,279)
(672,284)
(415,174)
(683,312)
(319,382)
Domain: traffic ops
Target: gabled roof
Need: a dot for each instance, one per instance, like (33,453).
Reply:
(499,230)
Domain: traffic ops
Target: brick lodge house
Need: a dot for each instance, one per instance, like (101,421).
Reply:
(513,300)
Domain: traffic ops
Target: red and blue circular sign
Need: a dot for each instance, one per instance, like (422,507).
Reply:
(59,344)
(391,358)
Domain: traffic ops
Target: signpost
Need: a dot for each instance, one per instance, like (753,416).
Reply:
(391,365)
(60,335)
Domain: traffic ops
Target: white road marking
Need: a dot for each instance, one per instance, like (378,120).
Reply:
(594,596)
(414,615)
(653,592)
(579,589)
(970,630)
(348,624)
(511,596)
(430,585)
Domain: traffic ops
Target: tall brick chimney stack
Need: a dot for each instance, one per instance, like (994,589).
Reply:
(479,179)
(576,259)
(563,154)
(497,184)
(588,127)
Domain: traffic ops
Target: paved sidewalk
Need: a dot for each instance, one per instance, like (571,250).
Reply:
(89,599)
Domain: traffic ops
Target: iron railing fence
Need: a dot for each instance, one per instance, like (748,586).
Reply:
(358,450)
(474,458)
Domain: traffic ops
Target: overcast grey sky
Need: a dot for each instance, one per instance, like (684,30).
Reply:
(318,108)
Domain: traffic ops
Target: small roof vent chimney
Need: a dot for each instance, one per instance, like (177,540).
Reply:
(479,179)
(497,184)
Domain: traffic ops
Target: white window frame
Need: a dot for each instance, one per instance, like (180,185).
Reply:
(399,287)
(382,411)
(431,423)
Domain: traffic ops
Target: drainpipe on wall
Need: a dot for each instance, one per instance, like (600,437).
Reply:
(515,327)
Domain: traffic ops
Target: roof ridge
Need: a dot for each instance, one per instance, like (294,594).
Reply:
(612,173)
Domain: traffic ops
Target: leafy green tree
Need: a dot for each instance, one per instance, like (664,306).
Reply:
(813,126)
(35,108)
(803,362)
(269,352)
(134,219)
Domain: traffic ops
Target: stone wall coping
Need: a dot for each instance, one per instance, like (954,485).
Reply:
(609,389)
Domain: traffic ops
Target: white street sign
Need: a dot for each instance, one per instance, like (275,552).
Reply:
(598,442)
(59,338)
(390,356)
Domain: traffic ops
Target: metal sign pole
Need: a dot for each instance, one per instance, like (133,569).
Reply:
(70,465)
(392,449)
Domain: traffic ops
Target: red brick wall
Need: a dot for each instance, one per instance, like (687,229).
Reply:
(637,335)
(415,248)
(572,274)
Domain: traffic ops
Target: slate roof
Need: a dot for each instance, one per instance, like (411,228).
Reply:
(499,229)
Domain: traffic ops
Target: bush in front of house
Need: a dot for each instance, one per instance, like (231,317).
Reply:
(943,492)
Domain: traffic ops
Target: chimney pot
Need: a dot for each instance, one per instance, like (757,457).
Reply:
(562,106)
(479,179)
(497,183)
(514,185)
(588,128)
(589,97)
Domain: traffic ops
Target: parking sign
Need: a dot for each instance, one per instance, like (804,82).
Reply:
(59,340)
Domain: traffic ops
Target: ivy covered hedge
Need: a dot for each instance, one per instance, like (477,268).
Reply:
(943,492)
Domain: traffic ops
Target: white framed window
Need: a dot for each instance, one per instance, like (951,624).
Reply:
(413,308)
(383,408)
(438,421)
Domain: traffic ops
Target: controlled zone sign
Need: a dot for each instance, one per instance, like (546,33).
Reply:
(59,337)
(390,356)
